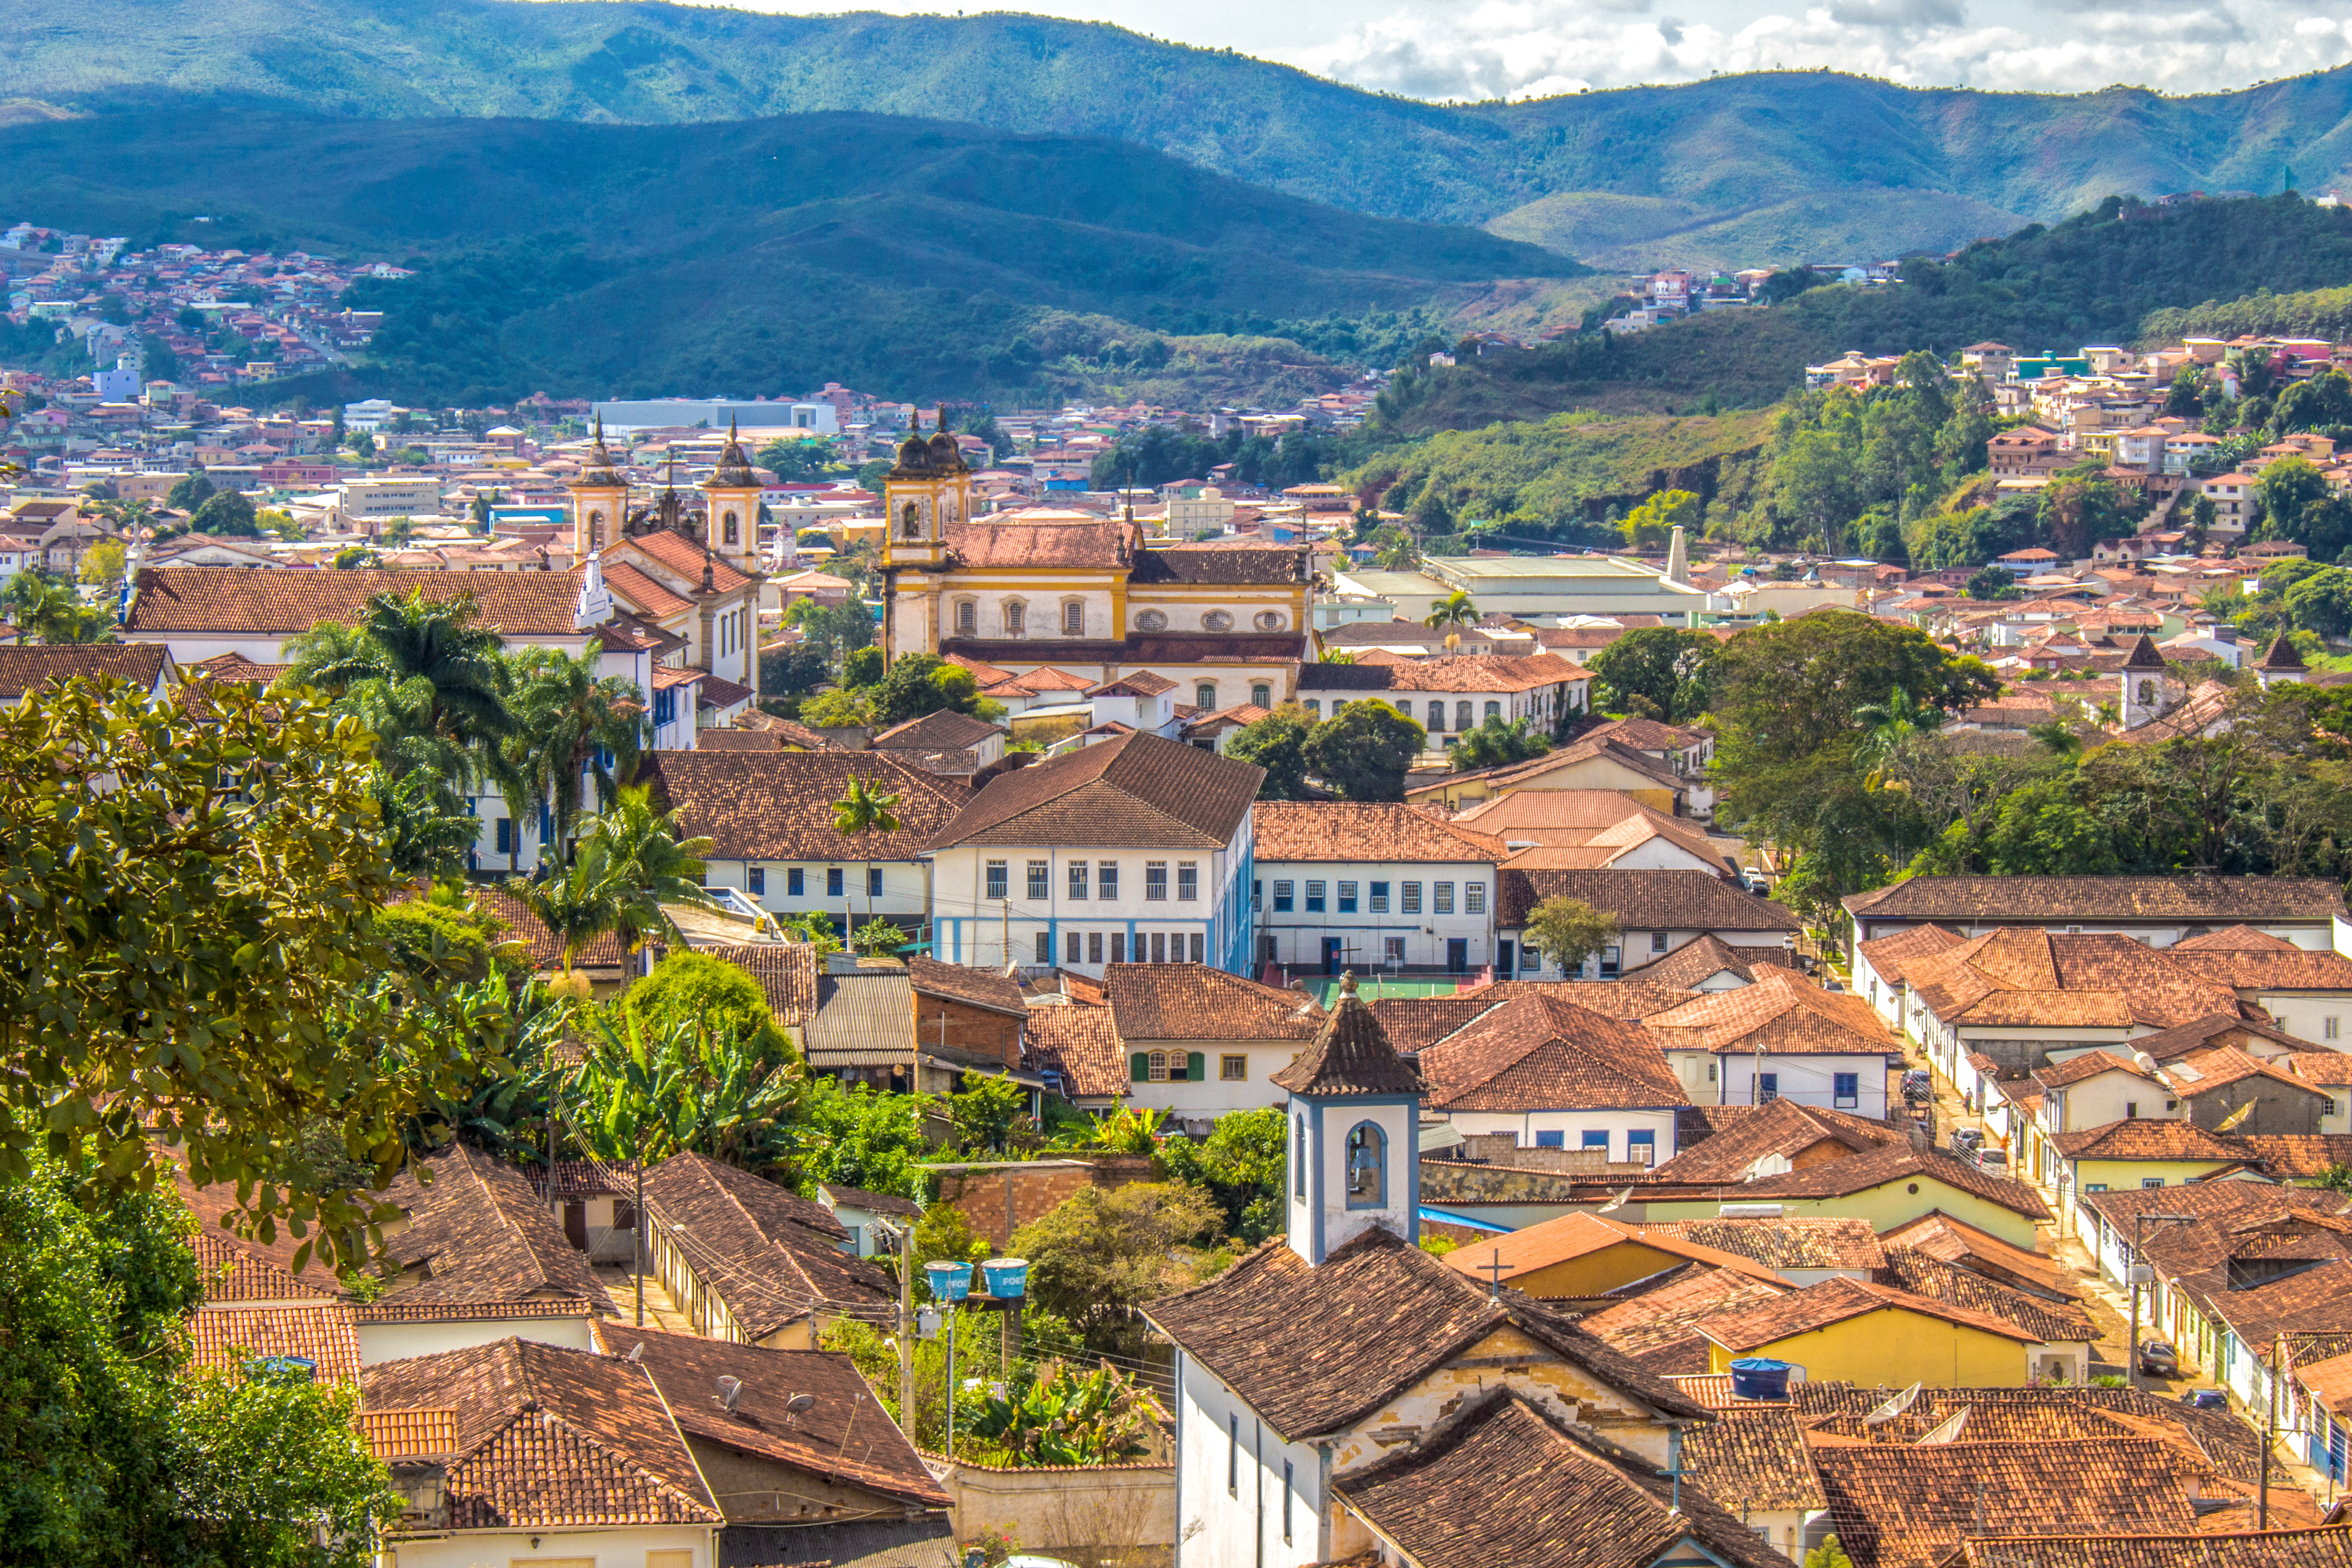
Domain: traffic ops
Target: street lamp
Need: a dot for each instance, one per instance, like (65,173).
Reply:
(2139,1273)
(950,1283)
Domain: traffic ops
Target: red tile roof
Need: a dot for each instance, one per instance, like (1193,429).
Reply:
(1080,1043)
(1540,1052)
(1909,1505)
(481,1234)
(1643,901)
(239,599)
(1780,1012)
(1153,1002)
(778,805)
(768,1255)
(642,594)
(1833,1301)
(1136,791)
(1981,899)
(1801,1243)
(230,1338)
(28,669)
(1654,1327)
(1346,830)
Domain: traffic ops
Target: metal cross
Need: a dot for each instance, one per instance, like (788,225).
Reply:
(1494,1272)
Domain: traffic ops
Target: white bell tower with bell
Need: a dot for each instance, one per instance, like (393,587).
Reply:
(1354,1158)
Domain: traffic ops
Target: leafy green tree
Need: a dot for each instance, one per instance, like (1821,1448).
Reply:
(799,460)
(2185,397)
(1570,930)
(1240,1165)
(190,491)
(2081,506)
(2322,602)
(1102,1254)
(1668,666)
(2299,505)
(1828,1554)
(1277,743)
(268,1470)
(1063,1417)
(858,1138)
(859,815)
(921,683)
(420,673)
(1887,727)
(863,667)
(649,863)
(53,612)
(1495,744)
(988,1112)
(1651,524)
(193,908)
(696,987)
(102,565)
(646,1092)
(1988,583)
(426,832)
(2044,832)
(228,514)
(1365,750)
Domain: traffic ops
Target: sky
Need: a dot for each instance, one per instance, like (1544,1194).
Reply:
(1525,49)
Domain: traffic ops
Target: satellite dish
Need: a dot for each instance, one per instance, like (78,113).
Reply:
(1619,1202)
(637,1351)
(1892,1407)
(1949,1431)
(730,1393)
(799,1403)
(2236,1119)
(2143,1061)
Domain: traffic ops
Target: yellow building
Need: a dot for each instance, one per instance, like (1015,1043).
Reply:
(1584,1256)
(1848,1331)
(1888,1187)
(1228,623)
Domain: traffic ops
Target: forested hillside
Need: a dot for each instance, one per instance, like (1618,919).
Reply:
(1757,169)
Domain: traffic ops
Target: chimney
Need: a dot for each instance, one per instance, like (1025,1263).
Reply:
(1677,560)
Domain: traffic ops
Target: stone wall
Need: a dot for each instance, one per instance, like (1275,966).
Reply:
(1108,1516)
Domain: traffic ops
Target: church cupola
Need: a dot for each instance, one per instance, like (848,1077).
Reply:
(1354,1134)
(600,499)
(926,496)
(731,509)
(2144,697)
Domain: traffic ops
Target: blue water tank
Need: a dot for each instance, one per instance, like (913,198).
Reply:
(1756,1377)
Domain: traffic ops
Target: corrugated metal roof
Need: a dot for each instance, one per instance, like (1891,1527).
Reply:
(861,1020)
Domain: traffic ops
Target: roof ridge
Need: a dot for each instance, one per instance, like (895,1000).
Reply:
(622,1457)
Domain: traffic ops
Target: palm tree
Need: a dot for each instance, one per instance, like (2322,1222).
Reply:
(1886,727)
(581,726)
(651,865)
(577,903)
(862,811)
(428,681)
(524,771)
(2056,737)
(1399,556)
(1455,610)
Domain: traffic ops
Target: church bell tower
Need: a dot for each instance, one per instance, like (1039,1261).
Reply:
(927,493)
(732,512)
(1354,1157)
(600,501)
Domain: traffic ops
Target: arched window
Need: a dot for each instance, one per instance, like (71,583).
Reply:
(1368,1167)
(1262,695)
(966,619)
(912,527)
(729,529)
(2147,692)
(1315,706)
(1204,696)
(1495,711)
(595,530)
(1461,715)
(1014,610)
(1073,617)
(1297,1154)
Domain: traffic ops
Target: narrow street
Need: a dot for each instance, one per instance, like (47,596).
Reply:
(661,1313)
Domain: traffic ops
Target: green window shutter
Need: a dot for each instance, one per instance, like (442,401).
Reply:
(1139,1068)
(1196,1066)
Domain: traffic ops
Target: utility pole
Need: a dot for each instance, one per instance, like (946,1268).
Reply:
(2270,1439)
(640,1163)
(2132,1272)
(905,1241)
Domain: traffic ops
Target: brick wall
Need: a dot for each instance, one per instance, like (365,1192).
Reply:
(998,1200)
(959,1026)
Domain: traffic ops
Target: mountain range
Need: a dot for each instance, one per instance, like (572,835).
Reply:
(1756,168)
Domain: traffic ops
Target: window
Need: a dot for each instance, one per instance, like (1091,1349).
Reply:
(1436,717)
(1262,695)
(1205,697)
(1315,903)
(1315,706)
(1073,617)
(1038,872)
(1552,1139)
(1285,1500)
(1530,959)
(1474,897)
(1347,897)
(796,883)
(1441,898)
(1118,947)
(1657,941)
(2095,1186)
(1196,943)
(1642,1146)
(1232,1069)
(1767,1086)
(1094,947)
(1409,898)
(1014,613)
(996,879)
(664,706)
(1106,879)
(1187,882)
(2330,1026)
(1368,1167)
(2131,1111)
(1234,1455)
(1257,896)
(832,883)
(872,881)
(910,521)
(1461,715)
(1155,881)
(1075,948)
(1845,1089)
(1393,950)
(1045,949)
(1078,879)
(1597,1138)
(1378,893)
(1710,1072)
(1217,621)
(2151,1181)
(1160,947)
(505,836)
(1297,1155)
(1495,711)
(1159,1063)
(757,878)
(1282,896)
(1609,960)
(966,619)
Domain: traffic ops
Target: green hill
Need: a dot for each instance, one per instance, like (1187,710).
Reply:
(2093,279)
(892,253)
(1756,168)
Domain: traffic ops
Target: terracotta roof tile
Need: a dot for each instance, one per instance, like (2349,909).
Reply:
(1080,1044)
(1502,1482)
(603,952)
(1210,561)
(1095,545)
(1888,954)
(1804,1242)
(2089,1065)
(1738,1136)
(1981,899)
(1538,1051)
(1313,1348)
(2235,939)
(1709,956)
(786,972)
(28,669)
(1939,1235)
(2248,969)
(940,731)
(394,1434)
(1643,900)
(768,1255)
(641,592)
(2144,1138)
(2021,976)
(238,599)
(1753,1459)
(1346,830)
(1894,1163)
(2328,1548)
(1469,673)
(2296,1156)
(778,805)
(235,1269)
(2331,1070)
(481,1234)
(1908,1506)
(1571,1236)
(1780,1013)
(1137,790)
(978,987)
(1195,1001)
(229,1338)
(1655,1327)
(1349,1055)
(1923,1274)
(681,555)
(2202,1072)
(2201,1033)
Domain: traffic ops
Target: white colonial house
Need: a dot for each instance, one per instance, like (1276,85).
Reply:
(1371,888)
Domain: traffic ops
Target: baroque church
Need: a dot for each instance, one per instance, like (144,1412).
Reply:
(688,583)
(1227,624)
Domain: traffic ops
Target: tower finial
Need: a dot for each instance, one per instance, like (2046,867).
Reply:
(1348,984)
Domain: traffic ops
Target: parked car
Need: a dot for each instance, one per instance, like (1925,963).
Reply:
(1753,879)
(1993,1160)
(2158,1359)
(1967,1140)
(1918,1087)
(2206,1399)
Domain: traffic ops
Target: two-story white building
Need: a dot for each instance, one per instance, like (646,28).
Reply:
(1135,851)
(1371,888)
(1448,696)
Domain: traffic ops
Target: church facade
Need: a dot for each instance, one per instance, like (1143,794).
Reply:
(1227,623)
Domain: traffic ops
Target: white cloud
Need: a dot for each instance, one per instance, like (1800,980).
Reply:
(1523,48)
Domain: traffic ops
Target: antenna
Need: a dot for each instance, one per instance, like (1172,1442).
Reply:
(799,1403)
(637,1351)
(730,1393)
(1892,1407)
